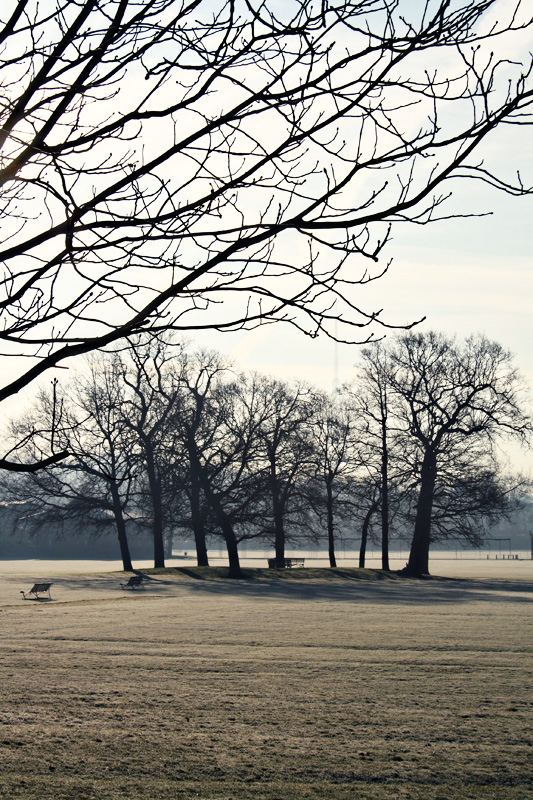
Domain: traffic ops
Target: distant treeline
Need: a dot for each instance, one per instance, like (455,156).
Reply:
(165,437)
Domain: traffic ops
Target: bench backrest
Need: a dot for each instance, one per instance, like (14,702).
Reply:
(135,579)
(40,587)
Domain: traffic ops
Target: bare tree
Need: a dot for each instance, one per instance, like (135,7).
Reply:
(159,157)
(101,442)
(222,438)
(456,402)
(193,426)
(476,496)
(369,492)
(286,417)
(145,368)
(386,473)
(95,484)
(371,403)
(334,463)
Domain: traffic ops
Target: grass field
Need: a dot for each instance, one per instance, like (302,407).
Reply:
(304,684)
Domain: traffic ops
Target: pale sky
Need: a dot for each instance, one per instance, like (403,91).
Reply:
(465,276)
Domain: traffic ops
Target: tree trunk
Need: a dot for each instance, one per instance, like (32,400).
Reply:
(418,563)
(279,541)
(384,498)
(157,510)
(279,528)
(331,531)
(364,534)
(159,544)
(121,529)
(233,552)
(229,537)
(198,522)
(223,520)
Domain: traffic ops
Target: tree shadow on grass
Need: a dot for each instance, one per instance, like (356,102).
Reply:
(345,587)
(39,599)
(406,592)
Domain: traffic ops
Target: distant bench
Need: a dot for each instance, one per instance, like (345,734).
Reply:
(38,589)
(288,563)
(134,581)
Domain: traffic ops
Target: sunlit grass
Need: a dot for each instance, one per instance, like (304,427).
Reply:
(293,685)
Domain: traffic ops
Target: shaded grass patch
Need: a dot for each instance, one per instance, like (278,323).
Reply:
(328,574)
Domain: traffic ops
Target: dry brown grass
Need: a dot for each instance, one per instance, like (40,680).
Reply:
(289,688)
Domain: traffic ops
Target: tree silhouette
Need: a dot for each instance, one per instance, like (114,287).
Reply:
(94,486)
(456,401)
(174,165)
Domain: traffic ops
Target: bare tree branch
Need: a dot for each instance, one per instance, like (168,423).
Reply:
(168,165)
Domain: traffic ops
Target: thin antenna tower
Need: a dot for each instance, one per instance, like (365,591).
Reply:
(336,359)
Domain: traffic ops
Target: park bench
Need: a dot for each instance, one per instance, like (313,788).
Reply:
(288,563)
(36,590)
(134,581)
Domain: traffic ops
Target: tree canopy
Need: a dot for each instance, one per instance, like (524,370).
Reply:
(186,165)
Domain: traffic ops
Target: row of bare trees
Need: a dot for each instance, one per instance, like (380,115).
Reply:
(168,437)
(164,158)
(174,438)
